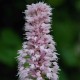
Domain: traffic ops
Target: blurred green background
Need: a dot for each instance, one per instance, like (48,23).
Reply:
(66,32)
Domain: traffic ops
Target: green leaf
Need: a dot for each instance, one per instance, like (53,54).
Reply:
(62,75)
(55,2)
(77,5)
(69,56)
(26,65)
(10,43)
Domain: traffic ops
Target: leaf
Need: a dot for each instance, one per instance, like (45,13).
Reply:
(62,75)
(10,43)
(77,5)
(64,34)
(69,57)
(55,2)
(26,65)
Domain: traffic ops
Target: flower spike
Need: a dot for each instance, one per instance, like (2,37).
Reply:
(37,59)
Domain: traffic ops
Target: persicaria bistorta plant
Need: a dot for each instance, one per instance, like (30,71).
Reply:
(37,59)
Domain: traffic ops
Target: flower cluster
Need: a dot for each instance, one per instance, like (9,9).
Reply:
(37,59)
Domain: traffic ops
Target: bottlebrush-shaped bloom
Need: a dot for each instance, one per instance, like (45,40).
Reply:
(37,59)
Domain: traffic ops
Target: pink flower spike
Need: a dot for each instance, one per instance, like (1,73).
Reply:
(37,59)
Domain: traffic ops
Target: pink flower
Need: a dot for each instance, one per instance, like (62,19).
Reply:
(37,59)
